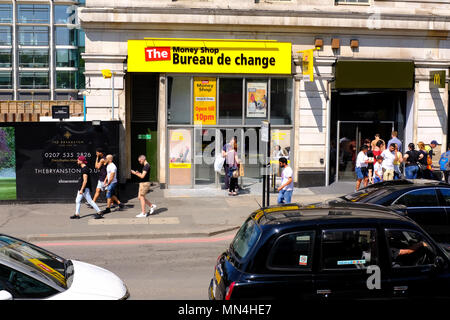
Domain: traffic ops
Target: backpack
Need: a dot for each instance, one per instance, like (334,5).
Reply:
(443,162)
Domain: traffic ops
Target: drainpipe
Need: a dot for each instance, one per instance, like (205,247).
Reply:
(328,137)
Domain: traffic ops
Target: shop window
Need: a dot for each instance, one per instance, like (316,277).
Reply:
(230,101)
(5,13)
(179,100)
(280,101)
(5,36)
(33,36)
(256,108)
(33,58)
(5,58)
(5,80)
(33,13)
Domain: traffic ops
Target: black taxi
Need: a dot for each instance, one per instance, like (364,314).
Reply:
(329,252)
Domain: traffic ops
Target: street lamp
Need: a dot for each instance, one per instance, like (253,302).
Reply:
(106,75)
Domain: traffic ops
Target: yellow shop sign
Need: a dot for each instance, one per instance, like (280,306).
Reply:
(209,56)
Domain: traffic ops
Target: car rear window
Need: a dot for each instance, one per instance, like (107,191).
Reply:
(366,195)
(245,239)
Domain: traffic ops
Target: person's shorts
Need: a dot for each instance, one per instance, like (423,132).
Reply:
(361,173)
(144,188)
(101,185)
(111,190)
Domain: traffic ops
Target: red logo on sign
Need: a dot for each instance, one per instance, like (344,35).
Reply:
(157,53)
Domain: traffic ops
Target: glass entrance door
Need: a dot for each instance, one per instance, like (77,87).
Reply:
(350,137)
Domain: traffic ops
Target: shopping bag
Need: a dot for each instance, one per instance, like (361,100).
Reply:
(218,163)
(241,170)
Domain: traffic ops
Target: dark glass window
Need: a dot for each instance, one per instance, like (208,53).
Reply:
(66,79)
(446,195)
(419,198)
(179,100)
(33,58)
(6,13)
(67,58)
(409,248)
(230,101)
(280,101)
(293,250)
(5,58)
(33,36)
(5,36)
(65,36)
(33,13)
(33,80)
(349,249)
(5,80)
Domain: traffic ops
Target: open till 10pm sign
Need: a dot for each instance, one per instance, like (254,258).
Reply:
(209,56)
(204,100)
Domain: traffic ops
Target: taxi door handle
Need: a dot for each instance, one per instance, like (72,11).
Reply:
(400,288)
(324,292)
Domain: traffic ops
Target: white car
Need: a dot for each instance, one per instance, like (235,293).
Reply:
(30,272)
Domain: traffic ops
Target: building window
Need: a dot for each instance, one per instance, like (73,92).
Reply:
(280,101)
(179,100)
(64,14)
(65,36)
(230,101)
(33,36)
(33,13)
(66,79)
(5,58)
(33,58)
(5,13)
(6,80)
(67,58)
(5,36)
(33,80)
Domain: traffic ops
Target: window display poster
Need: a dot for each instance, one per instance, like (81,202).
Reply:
(180,157)
(205,101)
(280,147)
(256,99)
(7,164)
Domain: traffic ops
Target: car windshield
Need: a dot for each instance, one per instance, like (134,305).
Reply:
(245,239)
(35,259)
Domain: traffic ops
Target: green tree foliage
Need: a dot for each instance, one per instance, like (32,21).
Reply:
(7,148)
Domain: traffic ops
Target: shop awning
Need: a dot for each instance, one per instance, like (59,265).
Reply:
(374,74)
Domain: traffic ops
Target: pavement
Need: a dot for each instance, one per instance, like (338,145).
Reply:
(180,213)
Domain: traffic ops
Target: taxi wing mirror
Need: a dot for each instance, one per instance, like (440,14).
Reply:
(5,295)
(400,208)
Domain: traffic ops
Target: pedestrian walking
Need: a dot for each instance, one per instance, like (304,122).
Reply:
(226,148)
(424,166)
(389,156)
(84,189)
(110,184)
(233,170)
(144,187)
(378,170)
(100,165)
(396,140)
(444,163)
(371,162)
(411,159)
(286,188)
(361,167)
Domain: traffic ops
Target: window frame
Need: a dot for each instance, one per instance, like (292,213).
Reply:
(11,12)
(388,247)
(322,268)
(415,190)
(34,30)
(301,269)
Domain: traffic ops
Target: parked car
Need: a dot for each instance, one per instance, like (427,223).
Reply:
(326,252)
(30,272)
(425,201)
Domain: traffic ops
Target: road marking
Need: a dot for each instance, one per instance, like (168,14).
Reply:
(135,242)
(124,221)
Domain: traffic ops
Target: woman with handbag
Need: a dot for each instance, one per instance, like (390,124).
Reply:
(233,171)
(424,173)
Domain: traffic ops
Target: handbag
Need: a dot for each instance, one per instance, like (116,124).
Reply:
(241,170)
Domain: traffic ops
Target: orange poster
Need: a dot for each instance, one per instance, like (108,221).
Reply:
(205,101)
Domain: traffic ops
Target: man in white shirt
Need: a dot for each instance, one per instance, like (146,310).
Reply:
(389,157)
(110,184)
(287,183)
(362,172)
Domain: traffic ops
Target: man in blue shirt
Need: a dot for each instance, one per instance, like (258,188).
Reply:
(395,140)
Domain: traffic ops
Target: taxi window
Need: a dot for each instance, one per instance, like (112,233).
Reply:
(245,239)
(349,249)
(292,251)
